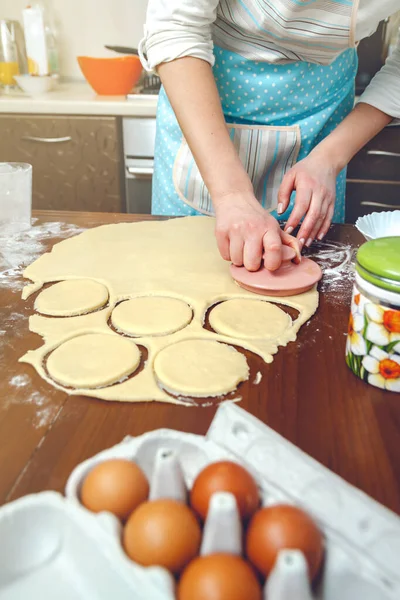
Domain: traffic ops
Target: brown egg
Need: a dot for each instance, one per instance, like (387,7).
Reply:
(162,532)
(283,527)
(219,577)
(117,485)
(225,476)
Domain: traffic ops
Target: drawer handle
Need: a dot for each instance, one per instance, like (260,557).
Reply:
(140,172)
(380,204)
(40,140)
(383,153)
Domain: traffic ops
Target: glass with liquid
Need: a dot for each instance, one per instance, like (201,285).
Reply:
(15,197)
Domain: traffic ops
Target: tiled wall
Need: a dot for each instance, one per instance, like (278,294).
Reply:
(86,25)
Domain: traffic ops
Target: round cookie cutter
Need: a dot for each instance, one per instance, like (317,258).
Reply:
(289,280)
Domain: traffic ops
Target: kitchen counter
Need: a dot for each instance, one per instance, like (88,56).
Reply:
(307,394)
(77,98)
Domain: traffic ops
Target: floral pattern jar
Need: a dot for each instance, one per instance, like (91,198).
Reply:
(373,339)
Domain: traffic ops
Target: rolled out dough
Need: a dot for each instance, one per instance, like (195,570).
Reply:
(151,315)
(201,368)
(68,298)
(93,360)
(176,258)
(249,319)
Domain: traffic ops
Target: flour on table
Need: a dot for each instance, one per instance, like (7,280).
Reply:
(337,262)
(20,380)
(175,259)
(258,378)
(44,410)
(19,250)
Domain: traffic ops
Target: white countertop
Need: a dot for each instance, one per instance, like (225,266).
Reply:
(77,98)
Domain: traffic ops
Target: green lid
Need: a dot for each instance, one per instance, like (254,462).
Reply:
(378,261)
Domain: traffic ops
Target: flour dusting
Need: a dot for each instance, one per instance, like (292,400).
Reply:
(20,380)
(257,378)
(37,399)
(44,411)
(44,417)
(16,253)
(336,260)
(21,249)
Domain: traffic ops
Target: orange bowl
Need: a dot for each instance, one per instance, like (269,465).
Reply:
(111,76)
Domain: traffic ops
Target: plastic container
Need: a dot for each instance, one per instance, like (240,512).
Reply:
(52,547)
(373,340)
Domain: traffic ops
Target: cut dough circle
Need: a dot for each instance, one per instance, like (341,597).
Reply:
(93,360)
(151,315)
(249,319)
(200,368)
(71,297)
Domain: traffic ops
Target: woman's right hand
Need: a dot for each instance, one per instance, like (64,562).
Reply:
(245,232)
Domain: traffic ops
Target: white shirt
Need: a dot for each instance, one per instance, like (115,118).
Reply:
(178,28)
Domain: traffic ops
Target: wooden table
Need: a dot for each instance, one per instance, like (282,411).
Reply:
(307,394)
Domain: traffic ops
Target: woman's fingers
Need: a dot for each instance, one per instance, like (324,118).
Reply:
(236,245)
(289,240)
(222,238)
(326,223)
(301,206)
(319,221)
(272,249)
(253,252)
(285,191)
(311,219)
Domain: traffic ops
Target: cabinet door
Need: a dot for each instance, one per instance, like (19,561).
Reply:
(365,198)
(379,160)
(77,161)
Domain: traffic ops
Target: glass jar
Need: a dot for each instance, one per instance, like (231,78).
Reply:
(373,339)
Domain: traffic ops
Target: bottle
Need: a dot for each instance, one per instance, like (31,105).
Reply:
(52,50)
(39,19)
(13,59)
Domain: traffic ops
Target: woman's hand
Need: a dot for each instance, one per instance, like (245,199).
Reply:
(245,231)
(314,180)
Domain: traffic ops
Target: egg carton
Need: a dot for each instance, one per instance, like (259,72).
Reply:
(52,547)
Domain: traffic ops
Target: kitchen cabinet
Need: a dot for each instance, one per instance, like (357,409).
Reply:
(77,160)
(373,176)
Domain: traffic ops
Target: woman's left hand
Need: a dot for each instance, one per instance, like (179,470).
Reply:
(314,181)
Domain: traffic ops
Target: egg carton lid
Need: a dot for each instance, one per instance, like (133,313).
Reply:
(51,548)
(346,512)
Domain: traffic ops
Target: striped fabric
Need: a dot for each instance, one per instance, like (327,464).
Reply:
(267,153)
(282,31)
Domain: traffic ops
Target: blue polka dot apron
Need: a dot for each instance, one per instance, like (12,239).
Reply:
(276,114)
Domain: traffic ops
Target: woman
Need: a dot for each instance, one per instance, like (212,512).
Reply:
(263,92)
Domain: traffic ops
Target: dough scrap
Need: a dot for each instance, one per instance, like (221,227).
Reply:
(93,360)
(249,319)
(69,298)
(151,315)
(178,259)
(200,368)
